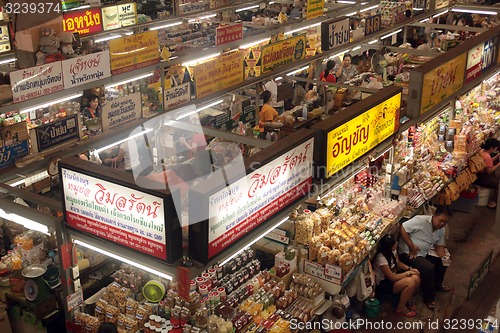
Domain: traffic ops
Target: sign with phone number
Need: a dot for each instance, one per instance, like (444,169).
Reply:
(334,34)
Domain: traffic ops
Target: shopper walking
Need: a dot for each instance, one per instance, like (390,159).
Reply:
(418,236)
(487,177)
(394,277)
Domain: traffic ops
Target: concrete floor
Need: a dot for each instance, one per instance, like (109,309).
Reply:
(472,237)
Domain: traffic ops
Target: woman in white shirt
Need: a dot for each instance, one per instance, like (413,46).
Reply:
(394,277)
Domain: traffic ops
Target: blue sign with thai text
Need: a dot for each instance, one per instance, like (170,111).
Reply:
(9,154)
(60,131)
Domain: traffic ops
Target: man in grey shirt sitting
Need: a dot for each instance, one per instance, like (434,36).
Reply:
(417,236)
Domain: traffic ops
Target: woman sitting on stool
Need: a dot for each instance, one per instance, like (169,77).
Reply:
(386,264)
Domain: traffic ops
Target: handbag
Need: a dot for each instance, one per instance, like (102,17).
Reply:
(367,282)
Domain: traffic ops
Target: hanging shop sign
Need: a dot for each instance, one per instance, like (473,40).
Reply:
(177,96)
(114,17)
(215,75)
(314,8)
(228,33)
(192,6)
(57,132)
(121,111)
(83,21)
(347,142)
(10,153)
(283,53)
(334,33)
(36,81)
(481,58)
(373,24)
(442,82)
(85,69)
(4,39)
(134,52)
(240,207)
(119,214)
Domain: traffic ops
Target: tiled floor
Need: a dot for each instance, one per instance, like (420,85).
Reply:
(471,239)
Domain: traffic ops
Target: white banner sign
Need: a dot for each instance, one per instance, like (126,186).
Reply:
(89,68)
(36,81)
(121,111)
(177,96)
(248,202)
(114,212)
(335,34)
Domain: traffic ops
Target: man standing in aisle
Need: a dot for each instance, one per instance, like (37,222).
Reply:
(418,236)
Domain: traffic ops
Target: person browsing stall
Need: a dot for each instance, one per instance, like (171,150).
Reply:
(346,70)
(267,113)
(394,277)
(417,236)
(327,75)
(487,177)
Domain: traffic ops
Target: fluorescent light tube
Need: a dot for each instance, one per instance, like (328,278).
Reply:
(347,2)
(246,46)
(25,222)
(45,105)
(78,8)
(246,8)
(296,30)
(297,71)
(193,62)
(474,11)
(128,80)
(265,233)
(418,9)
(356,48)
(424,20)
(166,26)
(351,14)
(187,114)
(369,8)
(278,78)
(373,41)
(125,260)
(103,39)
(6,61)
(392,33)
(439,14)
(124,140)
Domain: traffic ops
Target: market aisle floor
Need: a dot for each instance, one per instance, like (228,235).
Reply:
(472,238)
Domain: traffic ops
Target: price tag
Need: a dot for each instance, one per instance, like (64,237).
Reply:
(333,271)
(75,299)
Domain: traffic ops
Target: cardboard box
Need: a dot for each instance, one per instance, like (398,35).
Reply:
(287,279)
(279,259)
(28,39)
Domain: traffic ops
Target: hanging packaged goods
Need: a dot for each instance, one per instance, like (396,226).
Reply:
(334,33)
(355,133)
(98,203)
(134,52)
(218,74)
(4,39)
(83,22)
(233,211)
(283,53)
